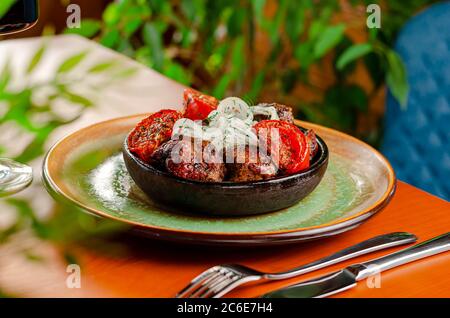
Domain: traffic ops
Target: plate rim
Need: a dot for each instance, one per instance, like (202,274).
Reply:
(53,188)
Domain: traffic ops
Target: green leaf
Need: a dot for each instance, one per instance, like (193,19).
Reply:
(188,9)
(111,15)
(76,98)
(295,21)
(33,257)
(152,38)
(88,28)
(71,62)
(131,26)
(235,22)
(19,108)
(128,72)
(5,5)
(37,57)
(143,55)
(329,38)
(36,147)
(316,28)
(256,88)
(5,76)
(258,8)
(177,72)
(102,67)
(396,77)
(110,38)
(275,24)
(352,53)
(304,55)
(237,56)
(221,87)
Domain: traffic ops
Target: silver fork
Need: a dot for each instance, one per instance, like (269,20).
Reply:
(219,280)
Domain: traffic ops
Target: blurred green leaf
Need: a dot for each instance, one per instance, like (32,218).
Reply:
(189,9)
(258,8)
(236,21)
(295,21)
(102,67)
(37,57)
(110,38)
(397,77)
(88,28)
(237,58)
(125,73)
(111,15)
(274,26)
(176,72)
(33,257)
(76,98)
(5,76)
(317,27)
(19,106)
(328,39)
(5,5)
(303,53)
(36,148)
(352,53)
(256,88)
(153,39)
(70,63)
(222,86)
(132,25)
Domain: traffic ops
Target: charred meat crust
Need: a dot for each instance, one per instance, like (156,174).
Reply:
(244,169)
(181,161)
(284,112)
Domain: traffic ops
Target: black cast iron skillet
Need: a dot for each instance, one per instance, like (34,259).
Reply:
(227,198)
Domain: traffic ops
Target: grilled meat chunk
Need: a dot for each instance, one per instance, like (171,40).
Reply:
(250,168)
(158,158)
(312,141)
(192,161)
(283,111)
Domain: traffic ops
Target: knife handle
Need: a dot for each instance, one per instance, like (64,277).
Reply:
(368,246)
(431,247)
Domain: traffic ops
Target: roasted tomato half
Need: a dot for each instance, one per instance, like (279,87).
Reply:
(293,149)
(151,132)
(197,106)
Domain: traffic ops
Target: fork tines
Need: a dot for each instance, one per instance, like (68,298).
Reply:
(211,283)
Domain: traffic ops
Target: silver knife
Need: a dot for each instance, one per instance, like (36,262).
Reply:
(348,277)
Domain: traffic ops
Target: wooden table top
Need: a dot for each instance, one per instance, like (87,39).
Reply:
(152,268)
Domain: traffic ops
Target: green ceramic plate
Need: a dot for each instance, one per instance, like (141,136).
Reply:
(87,169)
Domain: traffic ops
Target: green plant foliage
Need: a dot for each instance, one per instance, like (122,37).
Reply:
(353,53)
(38,120)
(214,46)
(21,109)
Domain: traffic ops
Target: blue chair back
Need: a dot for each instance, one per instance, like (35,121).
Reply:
(417,138)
